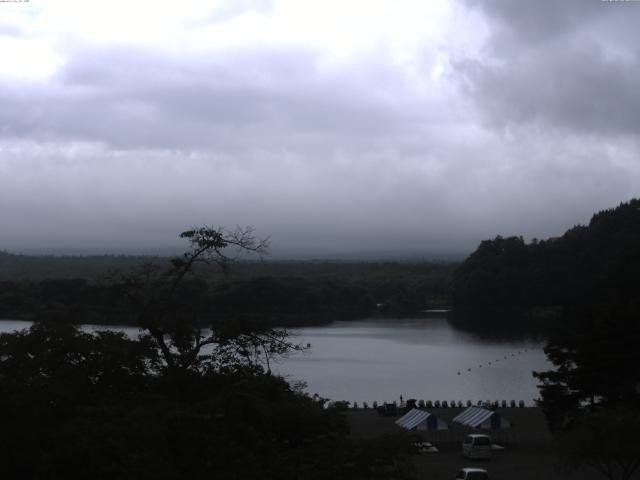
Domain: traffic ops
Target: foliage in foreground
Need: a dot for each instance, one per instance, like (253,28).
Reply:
(605,440)
(596,358)
(180,401)
(103,406)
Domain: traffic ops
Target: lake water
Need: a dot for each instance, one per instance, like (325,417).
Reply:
(422,358)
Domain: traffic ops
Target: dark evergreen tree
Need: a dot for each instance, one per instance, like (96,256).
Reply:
(596,356)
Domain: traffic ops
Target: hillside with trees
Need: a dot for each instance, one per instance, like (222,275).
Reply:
(595,264)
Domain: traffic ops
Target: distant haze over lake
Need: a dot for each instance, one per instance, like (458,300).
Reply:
(275,254)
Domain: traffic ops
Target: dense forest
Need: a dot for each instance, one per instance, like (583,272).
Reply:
(286,293)
(596,264)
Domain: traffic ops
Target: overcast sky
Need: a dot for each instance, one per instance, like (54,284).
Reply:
(334,127)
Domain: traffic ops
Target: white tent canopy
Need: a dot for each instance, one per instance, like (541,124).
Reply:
(477,417)
(420,420)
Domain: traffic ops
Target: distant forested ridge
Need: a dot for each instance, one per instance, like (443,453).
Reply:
(37,267)
(284,293)
(598,263)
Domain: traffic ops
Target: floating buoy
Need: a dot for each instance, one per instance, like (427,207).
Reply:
(458,373)
(468,369)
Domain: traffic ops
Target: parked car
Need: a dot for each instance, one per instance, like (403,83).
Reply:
(477,446)
(472,474)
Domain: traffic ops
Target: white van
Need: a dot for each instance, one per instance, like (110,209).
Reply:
(472,474)
(477,446)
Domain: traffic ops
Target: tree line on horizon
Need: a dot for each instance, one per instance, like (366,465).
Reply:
(286,293)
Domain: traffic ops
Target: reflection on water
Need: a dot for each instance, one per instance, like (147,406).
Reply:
(419,358)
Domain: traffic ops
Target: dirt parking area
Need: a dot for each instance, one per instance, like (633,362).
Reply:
(528,449)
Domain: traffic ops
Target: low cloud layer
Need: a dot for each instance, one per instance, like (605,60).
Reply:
(421,128)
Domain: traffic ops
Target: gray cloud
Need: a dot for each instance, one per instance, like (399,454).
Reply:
(132,98)
(577,89)
(570,65)
(128,145)
(543,22)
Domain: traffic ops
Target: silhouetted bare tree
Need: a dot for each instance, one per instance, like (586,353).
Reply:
(169,305)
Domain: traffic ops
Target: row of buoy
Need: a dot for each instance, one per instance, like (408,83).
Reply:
(519,352)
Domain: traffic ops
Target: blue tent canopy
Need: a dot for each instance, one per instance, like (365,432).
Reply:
(477,417)
(421,420)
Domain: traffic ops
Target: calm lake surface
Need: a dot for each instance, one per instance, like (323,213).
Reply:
(419,358)
(382,359)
